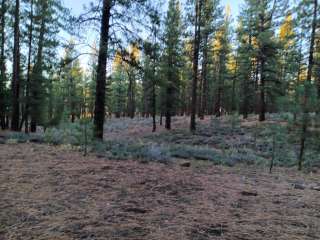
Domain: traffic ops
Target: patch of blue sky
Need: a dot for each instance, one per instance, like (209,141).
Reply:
(77,7)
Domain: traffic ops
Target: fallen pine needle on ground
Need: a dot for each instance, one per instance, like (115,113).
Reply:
(50,192)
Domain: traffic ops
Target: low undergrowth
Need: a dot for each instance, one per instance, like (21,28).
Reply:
(219,142)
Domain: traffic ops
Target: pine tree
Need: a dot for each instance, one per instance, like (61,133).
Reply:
(196,48)
(72,76)
(307,85)
(99,113)
(147,80)
(109,9)
(118,87)
(267,12)
(286,38)
(172,53)
(246,59)
(30,49)
(37,78)
(151,72)
(258,22)
(221,53)
(210,21)
(317,62)
(3,65)
(50,17)
(15,118)
(132,58)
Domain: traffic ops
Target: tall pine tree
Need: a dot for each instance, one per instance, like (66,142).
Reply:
(172,59)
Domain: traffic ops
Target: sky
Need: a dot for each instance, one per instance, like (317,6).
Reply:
(76,7)
(234,4)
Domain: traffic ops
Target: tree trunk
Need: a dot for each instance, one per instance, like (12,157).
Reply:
(29,69)
(233,97)
(198,7)
(154,97)
(307,88)
(199,100)
(262,113)
(131,100)
(169,99)
(161,116)
(317,62)
(50,102)
(154,125)
(99,112)
(72,99)
(262,60)
(217,108)
(245,96)
(2,67)
(16,71)
(248,77)
(37,75)
(145,105)
(297,82)
(204,95)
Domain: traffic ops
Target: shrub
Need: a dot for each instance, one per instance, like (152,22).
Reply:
(142,151)
(198,153)
(157,153)
(17,137)
(234,120)
(243,156)
(77,134)
(53,136)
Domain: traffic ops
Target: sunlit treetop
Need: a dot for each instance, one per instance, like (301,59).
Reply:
(123,59)
(286,31)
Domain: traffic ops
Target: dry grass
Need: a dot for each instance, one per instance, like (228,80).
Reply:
(56,193)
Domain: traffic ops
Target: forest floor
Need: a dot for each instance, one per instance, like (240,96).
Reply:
(55,193)
(228,141)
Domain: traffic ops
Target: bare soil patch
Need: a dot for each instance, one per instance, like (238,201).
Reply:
(56,193)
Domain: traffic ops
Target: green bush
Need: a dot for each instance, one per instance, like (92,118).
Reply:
(125,150)
(69,133)
(244,156)
(198,153)
(17,137)
(234,120)
(53,136)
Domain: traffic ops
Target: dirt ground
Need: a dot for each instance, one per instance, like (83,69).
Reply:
(56,193)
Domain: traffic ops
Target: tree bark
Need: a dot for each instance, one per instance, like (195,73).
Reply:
(3,67)
(154,97)
(99,112)
(29,69)
(204,98)
(72,96)
(169,92)
(169,95)
(234,79)
(131,97)
(217,109)
(198,7)
(154,125)
(262,107)
(16,71)
(307,88)
(247,78)
(37,74)
(262,113)
(161,116)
